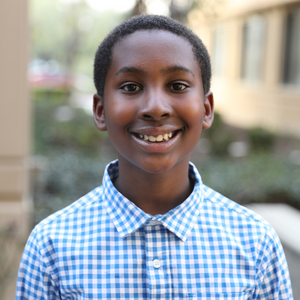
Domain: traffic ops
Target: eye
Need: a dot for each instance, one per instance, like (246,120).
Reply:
(131,87)
(178,86)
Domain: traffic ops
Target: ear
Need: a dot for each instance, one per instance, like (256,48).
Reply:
(208,110)
(98,110)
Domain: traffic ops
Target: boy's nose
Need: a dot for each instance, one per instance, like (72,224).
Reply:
(155,106)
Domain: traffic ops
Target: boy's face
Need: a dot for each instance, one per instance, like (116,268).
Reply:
(154,106)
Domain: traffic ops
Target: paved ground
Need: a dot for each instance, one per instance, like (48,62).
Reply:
(293,260)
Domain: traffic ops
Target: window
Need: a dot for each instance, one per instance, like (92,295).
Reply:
(253,48)
(291,73)
(218,54)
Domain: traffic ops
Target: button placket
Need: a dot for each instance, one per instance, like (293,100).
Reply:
(156,245)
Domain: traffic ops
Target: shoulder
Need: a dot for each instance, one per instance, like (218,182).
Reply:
(74,217)
(240,229)
(69,228)
(249,238)
(236,218)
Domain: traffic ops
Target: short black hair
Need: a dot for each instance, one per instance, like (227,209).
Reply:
(148,22)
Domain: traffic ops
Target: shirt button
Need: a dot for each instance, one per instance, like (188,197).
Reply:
(156,263)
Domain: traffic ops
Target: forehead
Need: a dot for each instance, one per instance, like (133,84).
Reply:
(144,46)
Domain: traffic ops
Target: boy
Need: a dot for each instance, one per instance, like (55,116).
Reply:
(153,230)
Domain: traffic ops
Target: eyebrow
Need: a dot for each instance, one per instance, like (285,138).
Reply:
(172,69)
(177,68)
(129,69)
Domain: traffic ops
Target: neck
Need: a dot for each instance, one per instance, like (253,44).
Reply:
(154,193)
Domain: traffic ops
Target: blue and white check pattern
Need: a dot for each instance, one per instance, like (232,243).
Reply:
(104,247)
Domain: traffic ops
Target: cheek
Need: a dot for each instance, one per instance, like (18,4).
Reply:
(192,113)
(119,114)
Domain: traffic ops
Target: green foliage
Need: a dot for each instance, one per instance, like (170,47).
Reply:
(219,136)
(50,95)
(259,177)
(79,134)
(67,177)
(75,153)
(261,139)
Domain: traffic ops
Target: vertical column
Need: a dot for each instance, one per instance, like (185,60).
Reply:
(14,114)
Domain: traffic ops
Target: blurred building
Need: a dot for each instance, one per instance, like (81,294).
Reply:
(255,50)
(14,116)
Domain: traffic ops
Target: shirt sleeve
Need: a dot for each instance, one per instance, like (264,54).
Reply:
(273,279)
(35,278)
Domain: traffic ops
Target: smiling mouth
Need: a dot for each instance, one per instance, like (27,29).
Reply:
(157,139)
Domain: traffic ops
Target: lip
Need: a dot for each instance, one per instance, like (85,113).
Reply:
(160,147)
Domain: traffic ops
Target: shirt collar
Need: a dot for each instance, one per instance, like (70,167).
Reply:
(128,218)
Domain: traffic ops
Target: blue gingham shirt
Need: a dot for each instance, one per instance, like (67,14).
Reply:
(104,247)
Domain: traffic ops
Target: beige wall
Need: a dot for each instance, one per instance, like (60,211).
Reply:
(238,7)
(268,103)
(14,114)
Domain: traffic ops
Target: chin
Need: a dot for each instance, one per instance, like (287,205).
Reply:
(157,166)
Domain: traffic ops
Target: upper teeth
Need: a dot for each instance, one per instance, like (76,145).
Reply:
(158,138)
